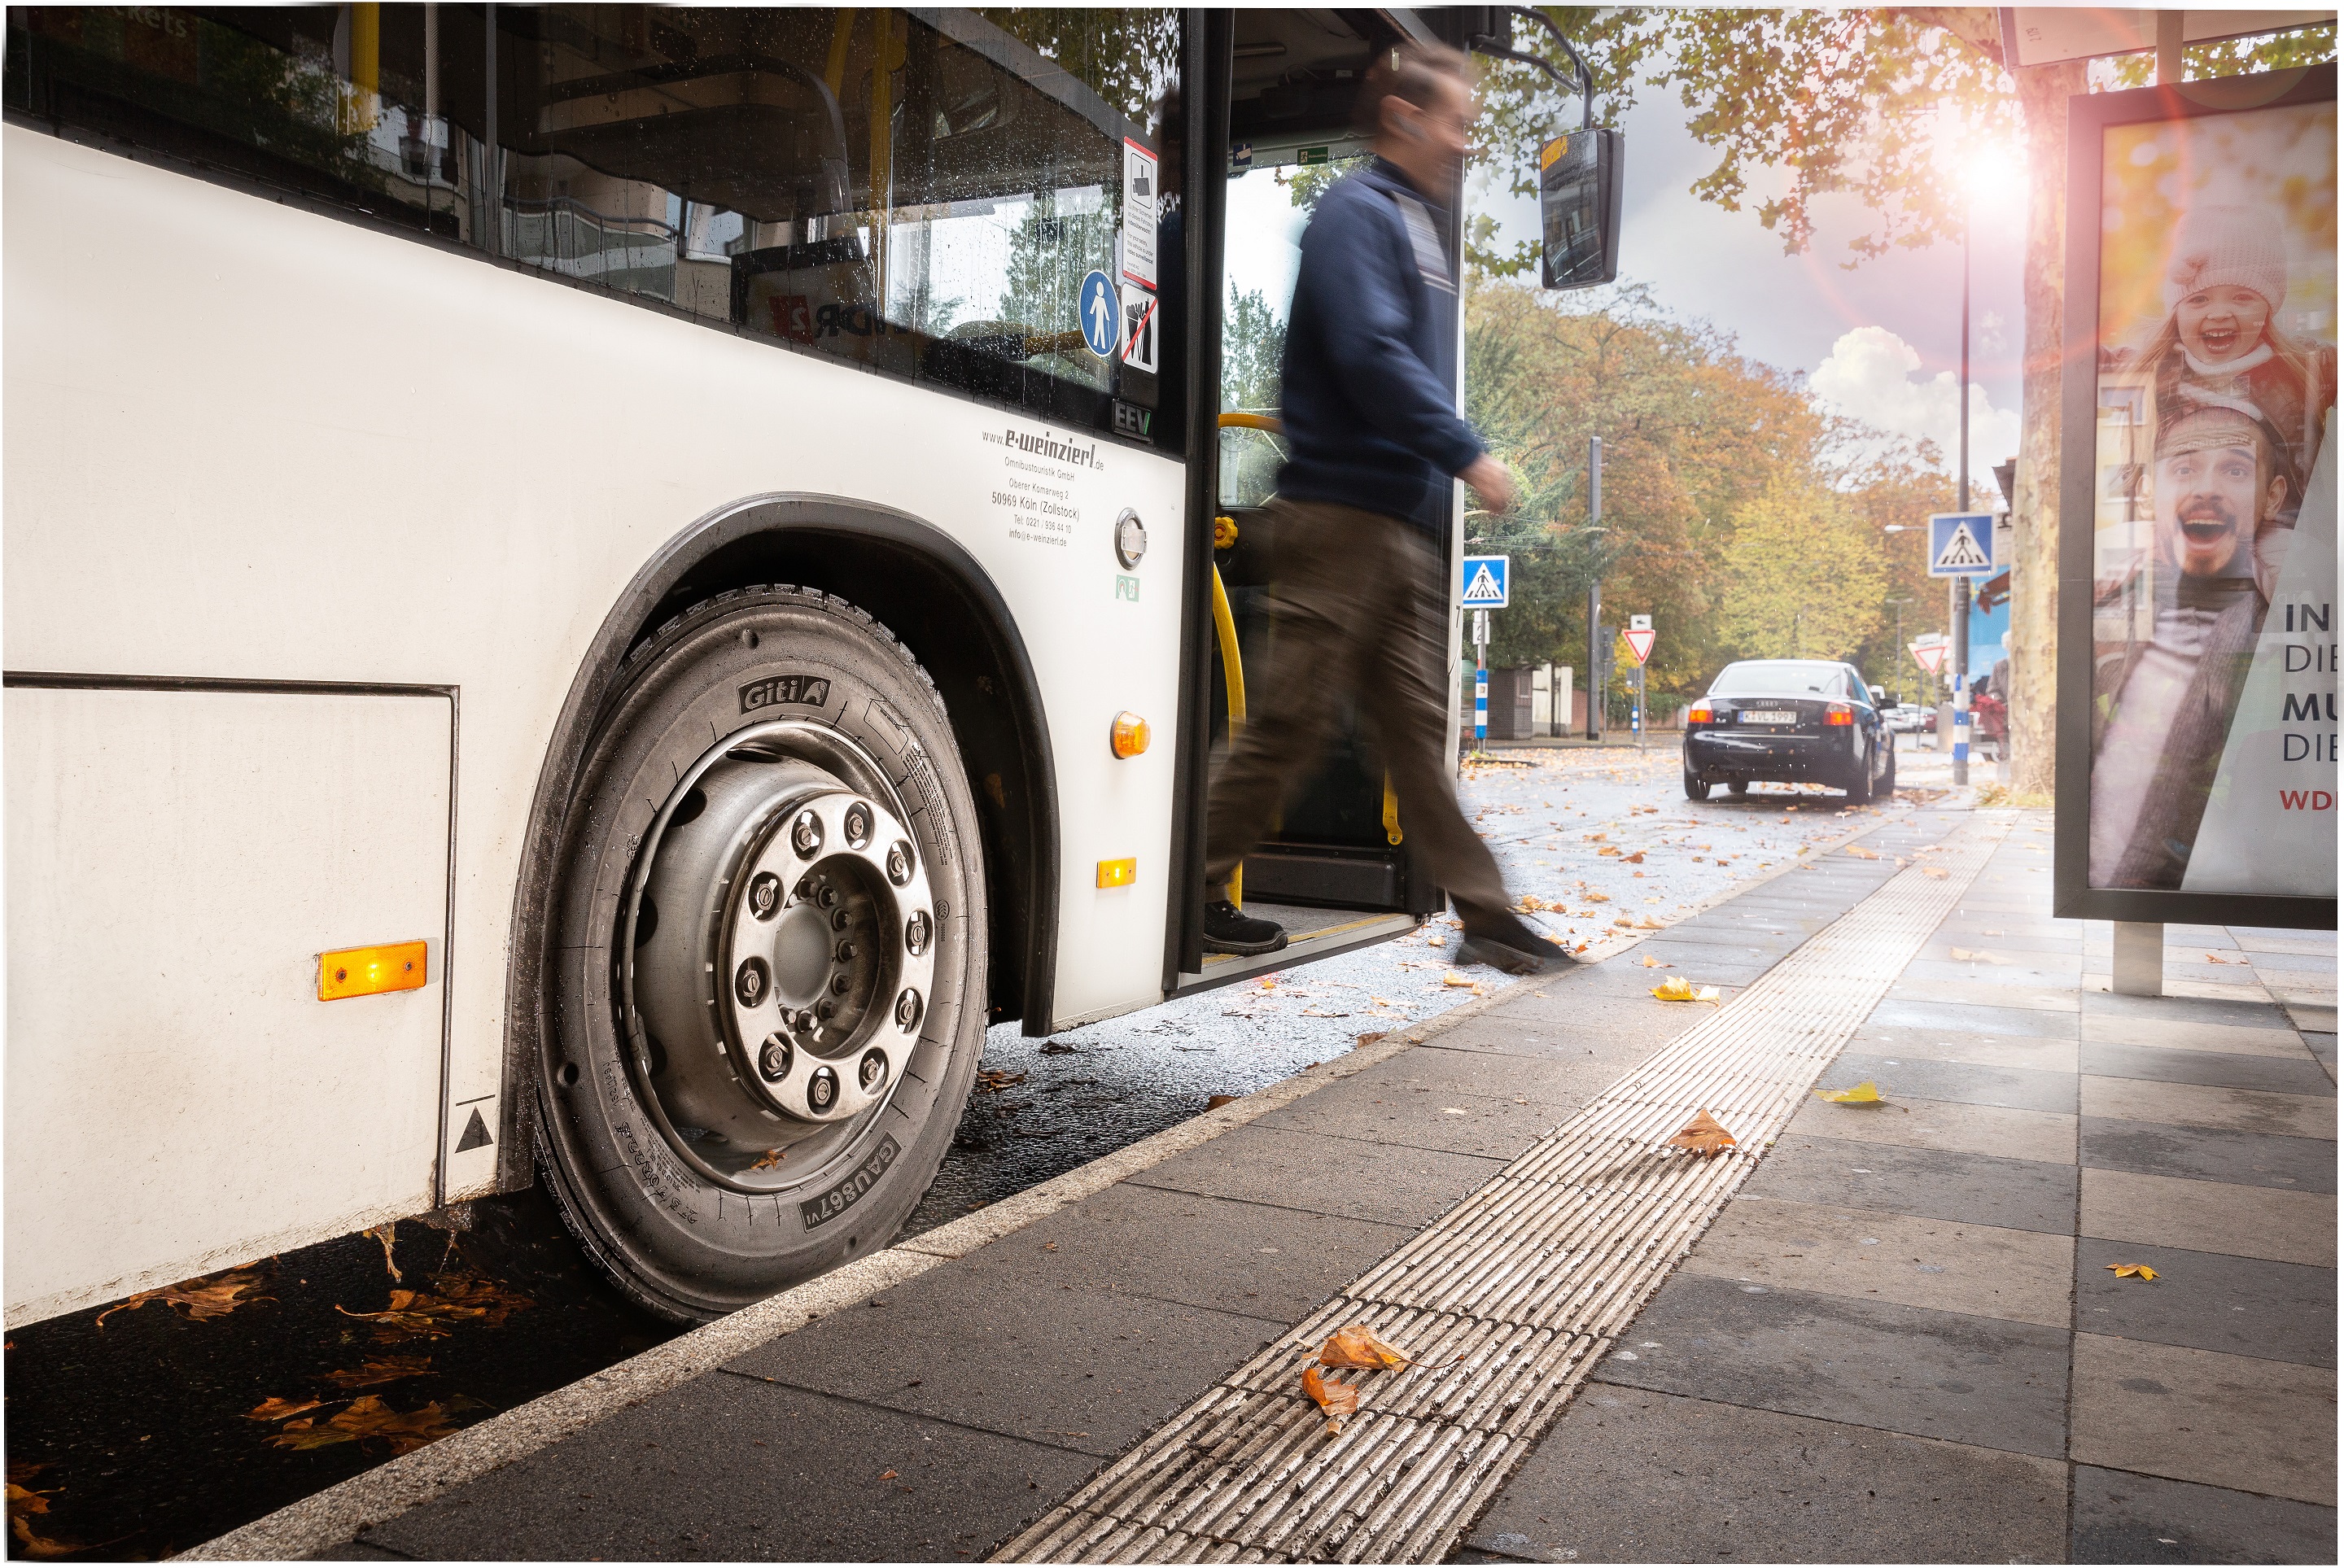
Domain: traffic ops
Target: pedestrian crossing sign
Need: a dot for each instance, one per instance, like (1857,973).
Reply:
(1485,582)
(1961,544)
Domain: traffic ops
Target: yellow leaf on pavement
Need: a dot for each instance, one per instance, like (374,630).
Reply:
(2132,1270)
(1865,1093)
(1454,978)
(1703,1135)
(1676,988)
(1937,872)
(1356,1345)
(213,1296)
(1861,853)
(1336,1399)
(278,1409)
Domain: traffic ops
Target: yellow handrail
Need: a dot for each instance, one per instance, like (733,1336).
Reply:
(1269,422)
(1233,672)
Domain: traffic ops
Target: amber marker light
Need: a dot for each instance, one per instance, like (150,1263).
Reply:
(372,972)
(1128,737)
(1700,715)
(1119,873)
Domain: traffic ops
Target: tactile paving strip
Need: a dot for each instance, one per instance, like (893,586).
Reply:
(1509,1299)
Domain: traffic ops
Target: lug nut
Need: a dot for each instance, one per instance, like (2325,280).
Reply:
(915,933)
(826,1008)
(827,898)
(764,895)
(899,863)
(749,982)
(773,1061)
(838,920)
(821,1089)
(805,834)
(907,1009)
(847,952)
(874,1069)
(858,825)
(838,984)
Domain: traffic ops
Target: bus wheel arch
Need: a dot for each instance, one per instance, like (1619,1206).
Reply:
(905,577)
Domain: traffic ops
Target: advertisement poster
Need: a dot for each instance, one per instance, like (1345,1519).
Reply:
(2212,690)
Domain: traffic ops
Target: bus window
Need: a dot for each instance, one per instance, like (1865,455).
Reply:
(922,194)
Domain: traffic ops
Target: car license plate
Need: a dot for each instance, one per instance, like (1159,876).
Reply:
(1769,716)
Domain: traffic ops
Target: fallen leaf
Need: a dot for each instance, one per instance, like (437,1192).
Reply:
(1861,853)
(459,1299)
(387,1234)
(377,1370)
(1652,963)
(993,1079)
(2132,1270)
(278,1409)
(1703,1135)
(886,1475)
(1937,872)
(1367,1039)
(1214,1101)
(1356,1345)
(1338,1400)
(1598,898)
(213,1296)
(370,1418)
(1865,1093)
(23,1502)
(1454,979)
(1635,860)
(1607,850)
(1676,988)
(1058,1048)
(770,1159)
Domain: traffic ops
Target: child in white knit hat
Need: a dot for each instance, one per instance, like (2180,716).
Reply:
(2220,346)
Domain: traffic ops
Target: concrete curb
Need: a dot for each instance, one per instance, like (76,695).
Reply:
(338,1513)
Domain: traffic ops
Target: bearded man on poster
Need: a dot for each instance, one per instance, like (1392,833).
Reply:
(2161,708)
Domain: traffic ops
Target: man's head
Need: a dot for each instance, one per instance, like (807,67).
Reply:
(1416,106)
(2218,481)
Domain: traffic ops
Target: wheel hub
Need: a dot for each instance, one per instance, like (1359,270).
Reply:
(781,962)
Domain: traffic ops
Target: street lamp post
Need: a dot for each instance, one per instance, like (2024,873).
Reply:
(1594,588)
(1960,586)
(1897,606)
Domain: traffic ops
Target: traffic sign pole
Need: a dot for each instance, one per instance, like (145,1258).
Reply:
(1481,678)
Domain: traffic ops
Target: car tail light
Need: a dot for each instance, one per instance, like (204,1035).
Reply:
(1839,713)
(1700,715)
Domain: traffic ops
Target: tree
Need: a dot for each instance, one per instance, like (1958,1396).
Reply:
(1253,353)
(1827,96)
(1804,580)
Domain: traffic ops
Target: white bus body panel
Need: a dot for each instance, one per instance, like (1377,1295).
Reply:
(177,1097)
(246,440)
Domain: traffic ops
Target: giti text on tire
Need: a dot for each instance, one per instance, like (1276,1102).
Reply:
(766,970)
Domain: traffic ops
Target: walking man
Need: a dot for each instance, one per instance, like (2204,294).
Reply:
(1360,522)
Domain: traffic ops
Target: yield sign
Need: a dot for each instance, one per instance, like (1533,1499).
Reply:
(1930,654)
(1640,640)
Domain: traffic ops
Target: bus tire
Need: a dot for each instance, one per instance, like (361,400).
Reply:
(765,992)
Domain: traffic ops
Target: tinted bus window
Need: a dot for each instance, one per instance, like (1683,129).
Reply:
(921,193)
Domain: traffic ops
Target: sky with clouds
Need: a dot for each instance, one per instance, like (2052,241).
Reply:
(1882,340)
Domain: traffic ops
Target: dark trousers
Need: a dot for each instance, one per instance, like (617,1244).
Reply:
(1356,611)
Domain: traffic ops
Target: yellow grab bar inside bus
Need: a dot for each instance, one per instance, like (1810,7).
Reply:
(1233,672)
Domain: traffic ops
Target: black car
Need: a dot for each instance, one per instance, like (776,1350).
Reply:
(1789,721)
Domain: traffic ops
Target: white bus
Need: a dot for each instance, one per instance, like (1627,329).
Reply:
(586,590)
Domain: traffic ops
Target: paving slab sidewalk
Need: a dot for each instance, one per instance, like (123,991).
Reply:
(1903,1341)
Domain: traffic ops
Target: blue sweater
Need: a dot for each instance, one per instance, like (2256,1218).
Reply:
(1370,347)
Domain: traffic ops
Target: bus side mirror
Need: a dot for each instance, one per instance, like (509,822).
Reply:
(1579,208)
(1879,694)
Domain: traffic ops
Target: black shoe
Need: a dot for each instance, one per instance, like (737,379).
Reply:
(1505,943)
(1229,930)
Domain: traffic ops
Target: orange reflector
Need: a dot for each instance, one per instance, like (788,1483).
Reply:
(1119,873)
(1839,713)
(1129,736)
(1700,715)
(371,972)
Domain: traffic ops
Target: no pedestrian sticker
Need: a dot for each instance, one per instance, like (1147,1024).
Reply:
(1102,315)
(1961,544)
(1485,582)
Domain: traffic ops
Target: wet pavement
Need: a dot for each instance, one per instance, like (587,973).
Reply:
(138,1437)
